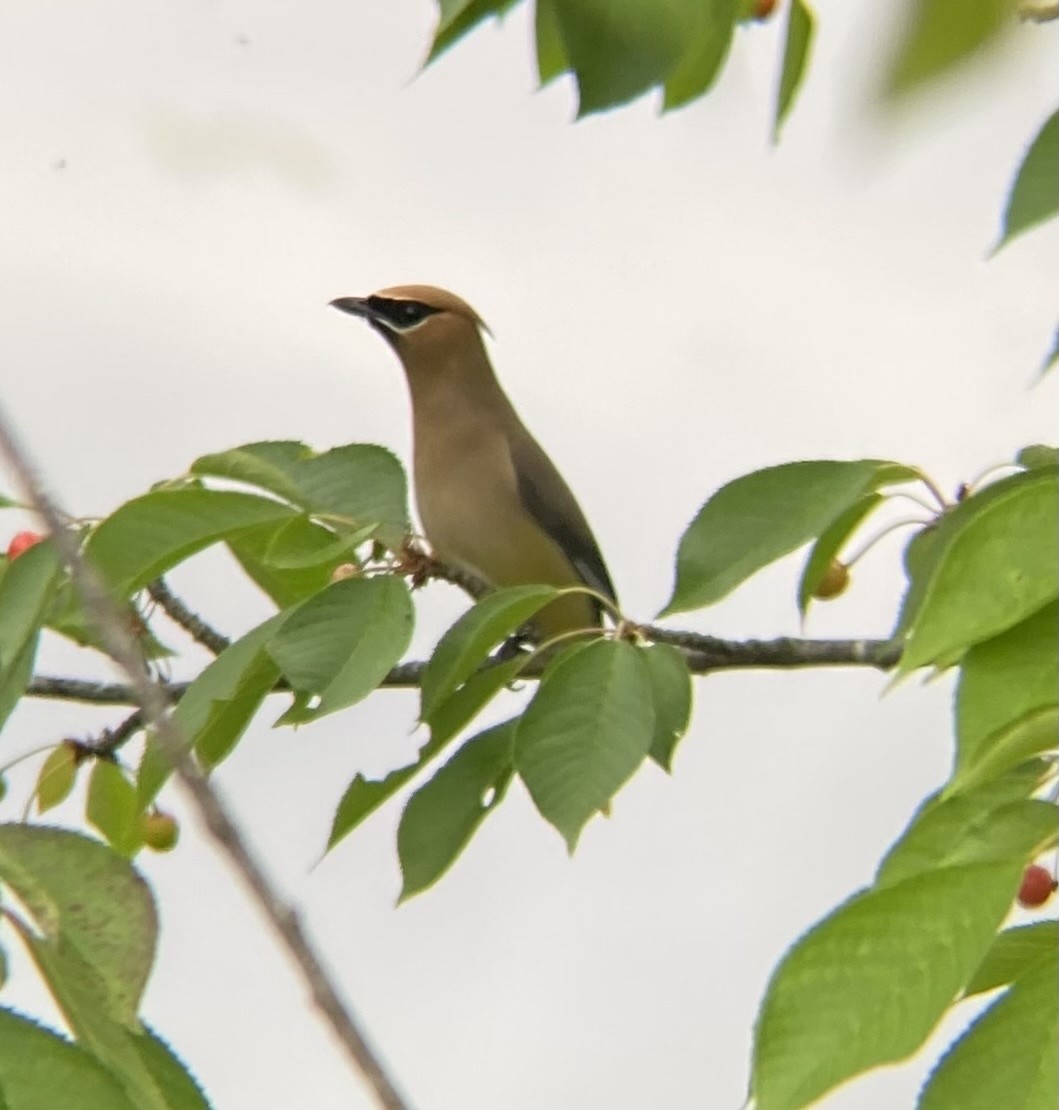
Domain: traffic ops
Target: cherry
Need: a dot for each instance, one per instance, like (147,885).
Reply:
(1037,886)
(22,541)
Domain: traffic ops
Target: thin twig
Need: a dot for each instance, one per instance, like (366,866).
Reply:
(122,648)
(189,621)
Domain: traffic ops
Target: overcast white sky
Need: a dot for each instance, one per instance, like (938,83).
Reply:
(183,188)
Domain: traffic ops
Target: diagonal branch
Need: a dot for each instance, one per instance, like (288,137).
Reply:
(190,622)
(152,702)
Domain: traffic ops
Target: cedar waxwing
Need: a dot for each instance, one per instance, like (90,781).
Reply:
(489,498)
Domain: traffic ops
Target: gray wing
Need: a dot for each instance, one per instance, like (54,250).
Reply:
(549,501)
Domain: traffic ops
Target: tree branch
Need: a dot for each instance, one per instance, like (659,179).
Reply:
(121,646)
(190,622)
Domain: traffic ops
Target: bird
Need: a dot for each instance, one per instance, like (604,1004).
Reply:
(490,500)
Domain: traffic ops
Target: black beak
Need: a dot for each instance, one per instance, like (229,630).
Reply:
(356,306)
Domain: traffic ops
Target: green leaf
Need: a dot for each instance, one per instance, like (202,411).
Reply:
(303,543)
(217,707)
(970,828)
(940,34)
(587,729)
(14,679)
(26,588)
(1007,1057)
(670,681)
(801,25)
(760,517)
(1037,455)
(551,54)
(39,1070)
(1034,196)
(57,776)
(829,545)
(621,48)
(442,816)
(1052,357)
(707,46)
(364,796)
(465,646)
(993,562)
(340,644)
(152,533)
(180,1088)
(112,807)
(284,585)
(460,16)
(357,484)
(1005,692)
(868,984)
(1016,953)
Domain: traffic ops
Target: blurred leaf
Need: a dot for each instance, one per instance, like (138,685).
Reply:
(939,34)
(993,562)
(218,705)
(1016,954)
(340,644)
(1007,1057)
(1034,196)
(9,502)
(621,48)
(1052,357)
(801,25)
(707,45)
(85,899)
(112,807)
(39,1070)
(551,54)
(150,534)
(867,985)
(828,546)
(762,516)
(364,796)
(1005,682)
(26,587)
(1037,455)
(57,776)
(14,679)
(670,681)
(587,729)
(465,646)
(442,815)
(457,17)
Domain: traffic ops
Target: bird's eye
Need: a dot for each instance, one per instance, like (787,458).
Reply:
(412,312)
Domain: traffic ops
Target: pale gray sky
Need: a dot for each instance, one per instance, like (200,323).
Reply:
(185,186)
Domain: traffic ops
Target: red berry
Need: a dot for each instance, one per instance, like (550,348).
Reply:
(22,541)
(762,9)
(1037,886)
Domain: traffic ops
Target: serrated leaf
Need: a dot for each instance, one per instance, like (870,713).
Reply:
(1015,954)
(940,34)
(587,729)
(460,16)
(112,807)
(670,681)
(148,535)
(709,40)
(756,519)
(89,901)
(1034,196)
(56,778)
(830,543)
(441,816)
(39,1070)
(465,646)
(340,644)
(1005,692)
(170,1073)
(1007,1057)
(868,984)
(801,25)
(993,561)
(218,705)
(364,796)
(619,49)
